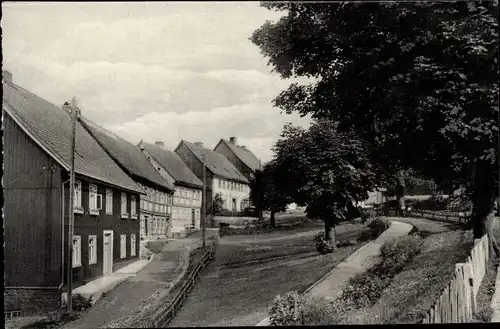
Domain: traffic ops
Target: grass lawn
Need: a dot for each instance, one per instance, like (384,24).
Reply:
(413,291)
(246,249)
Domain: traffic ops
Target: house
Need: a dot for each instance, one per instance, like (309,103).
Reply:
(222,177)
(375,198)
(37,142)
(186,208)
(239,155)
(156,204)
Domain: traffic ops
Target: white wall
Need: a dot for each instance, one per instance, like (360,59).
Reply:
(230,190)
(185,201)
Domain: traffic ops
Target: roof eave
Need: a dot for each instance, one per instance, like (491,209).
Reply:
(61,162)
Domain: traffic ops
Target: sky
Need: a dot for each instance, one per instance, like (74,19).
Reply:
(153,71)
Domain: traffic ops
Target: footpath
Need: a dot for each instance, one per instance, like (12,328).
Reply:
(165,270)
(360,261)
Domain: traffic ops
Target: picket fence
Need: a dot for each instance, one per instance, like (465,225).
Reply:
(457,302)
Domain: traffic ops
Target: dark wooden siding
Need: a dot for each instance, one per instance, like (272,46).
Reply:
(86,224)
(32,211)
(223,149)
(196,166)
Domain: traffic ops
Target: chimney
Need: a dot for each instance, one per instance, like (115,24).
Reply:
(199,144)
(66,107)
(7,77)
(233,140)
(160,143)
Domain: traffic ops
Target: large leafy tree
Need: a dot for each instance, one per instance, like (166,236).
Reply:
(324,169)
(265,195)
(417,80)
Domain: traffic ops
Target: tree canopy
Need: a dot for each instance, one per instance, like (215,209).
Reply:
(418,81)
(264,193)
(324,169)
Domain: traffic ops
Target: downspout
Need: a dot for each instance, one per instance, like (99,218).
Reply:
(62,237)
(62,255)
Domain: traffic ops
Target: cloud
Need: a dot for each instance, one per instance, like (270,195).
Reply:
(162,71)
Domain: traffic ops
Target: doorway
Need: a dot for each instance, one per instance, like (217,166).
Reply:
(234,204)
(107,258)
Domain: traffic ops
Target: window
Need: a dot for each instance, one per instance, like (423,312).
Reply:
(92,249)
(77,205)
(132,245)
(109,201)
(77,251)
(220,185)
(93,209)
(123,245)
(133,206)
(124,205)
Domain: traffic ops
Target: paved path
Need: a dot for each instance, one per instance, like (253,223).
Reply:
(360,261)
(158,275)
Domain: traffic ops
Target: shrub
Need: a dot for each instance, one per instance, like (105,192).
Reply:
(362,290)
(397,252)
(323,246)
(80,303)
(378,226)
(293,309)
(317,311)
(285,310)
(367,214)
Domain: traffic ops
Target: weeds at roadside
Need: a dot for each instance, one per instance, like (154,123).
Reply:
(53,320)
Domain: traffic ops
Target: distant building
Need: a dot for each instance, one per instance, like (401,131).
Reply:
(374,198)
(37,138)
(156,204)
(186,208)
(222,177)
(239,155)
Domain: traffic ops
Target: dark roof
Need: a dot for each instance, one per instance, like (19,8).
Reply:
(50,126)
(128,155)
(245,155)
(173,164)
(217,163)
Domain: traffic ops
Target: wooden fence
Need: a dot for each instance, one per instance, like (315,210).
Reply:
(460,218)
(457,302)
(166,313)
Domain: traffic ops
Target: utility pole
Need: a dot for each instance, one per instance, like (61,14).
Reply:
(71,214)
(204,223)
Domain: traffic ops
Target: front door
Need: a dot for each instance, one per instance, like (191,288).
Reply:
(107,264)
(234,204)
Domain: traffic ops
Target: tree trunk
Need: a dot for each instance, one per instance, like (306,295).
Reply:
(330,234)
(273,218)
(400,196)
(483,199)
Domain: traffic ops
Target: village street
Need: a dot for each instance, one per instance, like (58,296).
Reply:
(235,290)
